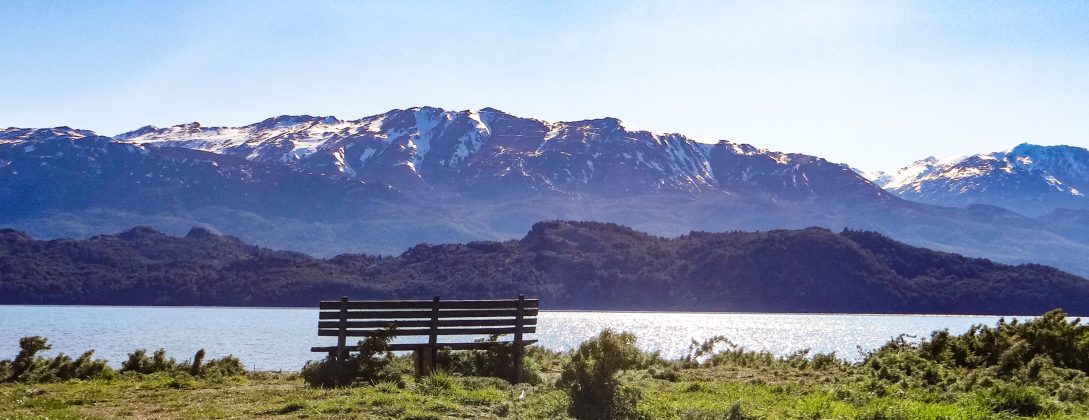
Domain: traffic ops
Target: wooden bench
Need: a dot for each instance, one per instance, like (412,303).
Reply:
(431,318)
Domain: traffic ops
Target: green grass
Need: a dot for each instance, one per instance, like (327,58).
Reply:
(1036,369)
(720,392)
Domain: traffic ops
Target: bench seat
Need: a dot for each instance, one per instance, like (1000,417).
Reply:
(477,345)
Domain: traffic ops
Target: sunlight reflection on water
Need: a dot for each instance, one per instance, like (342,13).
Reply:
(280,338)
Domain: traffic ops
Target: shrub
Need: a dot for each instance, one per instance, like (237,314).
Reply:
(63,368)
(24,362)
(1011,345)
(1046,356)
(698,352)
(139,362)
(222,367)
(823,361)
(591,380)
(372,364)
(667,373)
(29,367)
(495,361)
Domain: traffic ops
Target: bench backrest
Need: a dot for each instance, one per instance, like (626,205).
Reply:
(432,318)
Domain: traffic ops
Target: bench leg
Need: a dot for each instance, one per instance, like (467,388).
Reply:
(518,359)
(425,361)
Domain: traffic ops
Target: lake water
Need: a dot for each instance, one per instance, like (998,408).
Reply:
(280,338)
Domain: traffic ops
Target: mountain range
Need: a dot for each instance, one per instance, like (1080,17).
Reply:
(380,184)
(569,265)
(1028,179)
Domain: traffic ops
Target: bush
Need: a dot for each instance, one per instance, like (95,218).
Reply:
(63,368)
(822,361)
(1009,346)
(495,362)
(138,362)
(667,373)
(25,361)
(31,368)
(591,380)
(708,353)
(1044,356)
(222,367)
(371,365)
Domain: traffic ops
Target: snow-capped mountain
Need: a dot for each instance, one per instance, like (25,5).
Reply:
(63,169)
(1028,179)
(380,184)
(492,152)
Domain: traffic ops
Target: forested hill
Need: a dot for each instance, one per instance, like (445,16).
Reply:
(568,264)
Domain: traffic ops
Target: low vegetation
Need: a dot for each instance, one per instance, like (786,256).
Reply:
(372,364)
(30,368)
(1034,369)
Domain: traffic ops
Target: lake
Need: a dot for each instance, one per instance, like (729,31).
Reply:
(280,338)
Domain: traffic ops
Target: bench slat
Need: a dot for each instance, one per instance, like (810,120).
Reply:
(426,304)
(469,322)
(425,331)
(426,314)
(413,346)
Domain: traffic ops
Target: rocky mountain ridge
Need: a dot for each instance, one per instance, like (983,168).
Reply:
(492,152)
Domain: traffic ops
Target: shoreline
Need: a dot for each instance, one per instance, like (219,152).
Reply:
(576,310)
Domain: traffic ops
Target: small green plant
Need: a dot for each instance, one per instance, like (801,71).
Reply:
(438,383)
(591,380)
(666,373)
(1015,399)
(733,413)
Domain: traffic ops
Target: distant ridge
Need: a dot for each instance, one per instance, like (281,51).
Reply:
(570,265)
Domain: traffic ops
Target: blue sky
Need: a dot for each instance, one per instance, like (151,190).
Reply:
(875,84)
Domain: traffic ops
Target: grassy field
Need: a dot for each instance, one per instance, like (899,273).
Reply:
(1035,369)
(698,393)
